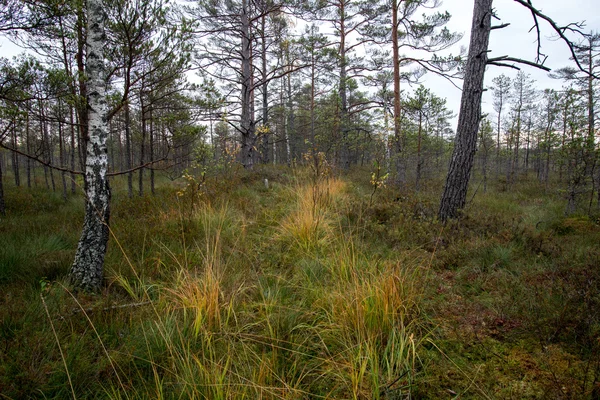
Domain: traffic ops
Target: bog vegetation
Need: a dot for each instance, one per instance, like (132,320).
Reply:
(311,288)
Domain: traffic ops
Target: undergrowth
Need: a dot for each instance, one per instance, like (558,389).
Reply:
(313,286)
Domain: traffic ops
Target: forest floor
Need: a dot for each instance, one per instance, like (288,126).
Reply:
(313,287)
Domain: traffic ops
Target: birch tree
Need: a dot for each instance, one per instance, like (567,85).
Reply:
(87,270)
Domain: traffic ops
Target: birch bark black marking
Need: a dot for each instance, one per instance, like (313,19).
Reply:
(88,268)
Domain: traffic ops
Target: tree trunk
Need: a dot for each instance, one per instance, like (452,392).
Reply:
(400,171)
(292,148)
(44,145)
(344,128)
(419,158)
(465,145)
(2,205)
(143,145)
(128,163)
(266,132)
(247,121)
(82,112)
(498,128)
(151,137)
(15,159)
(88,268)
(28,146)
(61,155)
(313,80)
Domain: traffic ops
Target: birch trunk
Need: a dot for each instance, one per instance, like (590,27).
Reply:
(465,145)
(88,268)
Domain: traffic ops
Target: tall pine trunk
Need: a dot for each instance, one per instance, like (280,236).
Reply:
(345,156)
(142,145)
(457,181)
(247,121)
(151,137)
(399,168)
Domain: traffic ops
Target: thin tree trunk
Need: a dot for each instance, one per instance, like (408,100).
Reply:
(266,133)
(45,145)
(151,137)
(400,171)
(292,148)
(419,158)
(312,101)
(28,146)
(73,150)
(247,120)
(128,155)
(344,128)
(61,155)
(2,204)
(527,141)
(517,145)
(143,145)
(15,158)
(142,158)
(498,127)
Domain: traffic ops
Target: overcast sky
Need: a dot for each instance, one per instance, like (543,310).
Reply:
(517,41)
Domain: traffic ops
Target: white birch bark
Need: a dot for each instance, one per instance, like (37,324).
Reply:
(88,267)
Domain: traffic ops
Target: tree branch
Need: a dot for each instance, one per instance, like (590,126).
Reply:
(496,60)
(559,30)
(44,163)
(62,169)
(499,26)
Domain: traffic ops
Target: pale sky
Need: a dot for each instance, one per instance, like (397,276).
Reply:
(517,41)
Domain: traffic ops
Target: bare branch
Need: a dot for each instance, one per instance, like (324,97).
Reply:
(573,27)
(504,65)
(536,25)
(136,168)
(496,60)
(44,163)
(499,26)
(62,169)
